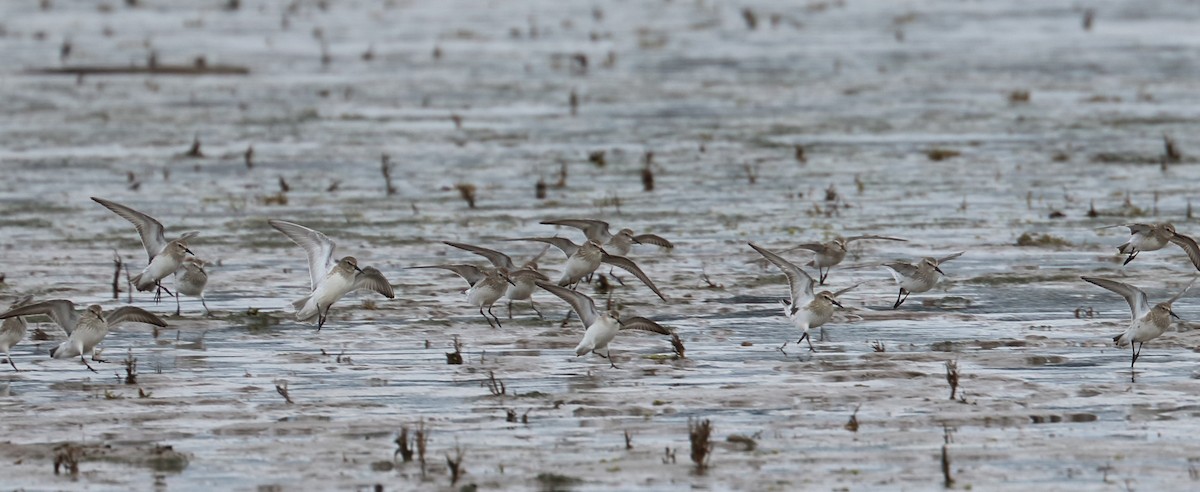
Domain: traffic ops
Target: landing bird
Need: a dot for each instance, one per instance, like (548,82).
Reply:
(618,244)
(165,256)
(1147,323)
(86,330)
(805,309)
(487,286)
(601,327)
(830,253)
(1153,237)
(915,279)
(191,281)
(522,277)
(584,259)
(330,280)
(12,331)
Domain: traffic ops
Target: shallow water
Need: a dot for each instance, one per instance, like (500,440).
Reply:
(867,87)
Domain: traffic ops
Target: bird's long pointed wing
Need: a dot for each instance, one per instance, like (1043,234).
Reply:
(497,258)
(631,267)
(130,313)
(643,324)
(950,257)
(61,311)
(594,230)
(1134,228)
(1182,292)
(1138,305)
(847,289)
(818,248)
(372,278)
(317,247)
(566,245)
(653,239)
(533,261)
(1189,246)
(873,237)
(470,273)
(149,229)
(902,268)
(583,305)
(527,273)
(800,283)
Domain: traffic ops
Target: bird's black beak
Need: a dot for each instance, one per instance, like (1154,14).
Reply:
(189,252)
(359,269)
(836,303)
(1173,315)
(939,270)
(510,281)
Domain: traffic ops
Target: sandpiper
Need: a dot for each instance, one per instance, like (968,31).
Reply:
(165,256)
(601,327)
(487,286)
(830,253)
(804,308)
(522,277)
(915,279)
(1153,237)
(618,244)
(190,281)
(86,330)
(1147,323)
(583,259)
(12,330)
(330,280)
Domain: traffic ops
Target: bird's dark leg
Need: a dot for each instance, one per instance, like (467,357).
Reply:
(321,318)
(535,309)
(489,310)
(900,301)
(615,277)
(84,359)
(489,320)
(565,319)
(176,305)
(207,312)
(10,362)
(510,309)
(609,357)
(780,348)
(806,337)
(1131,257)
(823,276)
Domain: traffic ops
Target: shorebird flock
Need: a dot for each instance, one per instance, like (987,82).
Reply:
(331,278)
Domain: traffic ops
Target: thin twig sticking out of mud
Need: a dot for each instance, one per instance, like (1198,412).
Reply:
(947,480)
(455,464)
(116,283)
(852,425)
(282,389)
(952,377)
(130,364)
(495,386)
(455,357)
(700,434)
(385,165)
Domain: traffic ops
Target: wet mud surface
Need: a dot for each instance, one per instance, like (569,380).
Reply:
(912,123)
